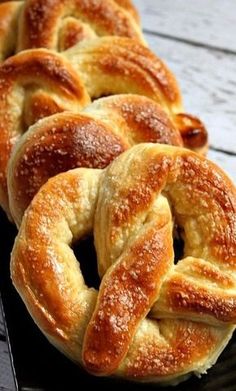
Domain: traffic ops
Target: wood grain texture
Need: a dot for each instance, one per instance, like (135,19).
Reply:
(208,22)
(6,378)
(208,82)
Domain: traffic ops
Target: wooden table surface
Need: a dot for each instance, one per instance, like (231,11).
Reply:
(197,41)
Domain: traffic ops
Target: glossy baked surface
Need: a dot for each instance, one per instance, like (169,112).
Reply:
(151,319)
(208,27)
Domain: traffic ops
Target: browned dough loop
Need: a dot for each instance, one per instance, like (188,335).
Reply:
(152,320)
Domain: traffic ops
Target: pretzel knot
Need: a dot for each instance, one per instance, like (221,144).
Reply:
(33,85)
(60,24)
(152,319)
(92,138)
(37,83)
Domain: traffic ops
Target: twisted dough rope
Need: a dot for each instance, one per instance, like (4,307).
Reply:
(9,15)
(60,24)
(92,138)
(38,83)
(112,65)
(32,86)
(130,207)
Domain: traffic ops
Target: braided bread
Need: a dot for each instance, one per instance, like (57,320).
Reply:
(92,138)
(60,24)
(131,207)
(98,67)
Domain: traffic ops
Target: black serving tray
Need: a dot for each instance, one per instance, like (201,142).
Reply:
(37,365)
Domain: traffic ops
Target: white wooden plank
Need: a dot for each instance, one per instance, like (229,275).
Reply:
(6,377)
(208,83)
(211,22)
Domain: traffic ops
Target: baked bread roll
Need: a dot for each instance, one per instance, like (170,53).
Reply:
(152,320)
(60,24)
(92,138)
(39,83)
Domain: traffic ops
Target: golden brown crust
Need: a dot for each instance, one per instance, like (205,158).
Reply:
(128,6)
(106,66)
(58,25)
(90,139)
(53,24)
(112,65)
(128,208)
(9,14)
(33,78)
(54,308)
(73,32)
(134,62)
(186,342)
(192,131)
(194,298)
(126,295)
(40,22)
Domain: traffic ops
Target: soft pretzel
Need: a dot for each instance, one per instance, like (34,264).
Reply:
(33,85)
(120,65)
(112,65)
(92,139)
(60,24)
(131,208)
(9,16)
(129,6)
(102,66)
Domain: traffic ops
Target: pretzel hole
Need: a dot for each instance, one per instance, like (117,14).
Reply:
(85,253)
(178,244)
